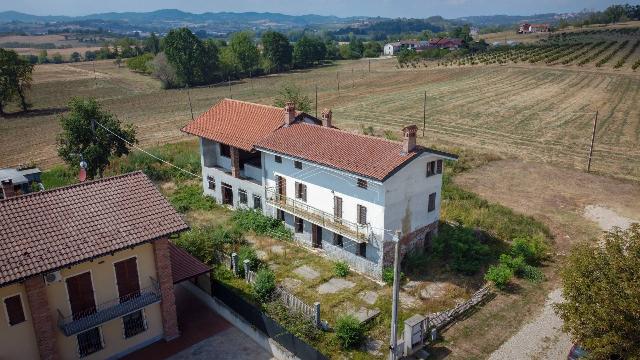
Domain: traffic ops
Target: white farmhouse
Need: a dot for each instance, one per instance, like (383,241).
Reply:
(342,193)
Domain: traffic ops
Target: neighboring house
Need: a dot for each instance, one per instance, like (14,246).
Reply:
(87,271)
(394,47)
(533,28)
(17,181)
(445,43)
(342,193)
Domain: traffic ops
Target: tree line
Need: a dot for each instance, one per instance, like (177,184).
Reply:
(613,14)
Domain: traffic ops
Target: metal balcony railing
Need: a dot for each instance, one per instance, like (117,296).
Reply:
(352,230)
(112,309)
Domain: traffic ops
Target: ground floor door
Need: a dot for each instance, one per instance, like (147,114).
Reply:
(227,194)
(316,236)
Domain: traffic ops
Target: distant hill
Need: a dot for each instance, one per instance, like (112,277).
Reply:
(501,20)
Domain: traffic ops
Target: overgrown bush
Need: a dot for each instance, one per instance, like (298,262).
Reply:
(246,252)
(341,269)
(387,275)
(141,63)
(190,197)
(414,262)
(265,284)
(58,176)
(202,242)
(294,321)
(499,275)
(349,332)
(533,249)
(460,245)
(253,220)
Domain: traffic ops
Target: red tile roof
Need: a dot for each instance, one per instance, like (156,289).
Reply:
(237,123)
(368,156)
(52,229)
(184,266)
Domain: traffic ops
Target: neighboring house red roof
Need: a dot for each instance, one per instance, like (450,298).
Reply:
(185,266)
(49,230)
(237,123)
(368,156)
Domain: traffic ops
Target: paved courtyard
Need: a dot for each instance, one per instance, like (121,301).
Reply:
(203,335)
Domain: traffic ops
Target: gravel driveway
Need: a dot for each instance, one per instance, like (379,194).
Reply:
(542,338)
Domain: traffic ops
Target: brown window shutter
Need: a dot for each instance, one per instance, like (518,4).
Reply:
(297,190)
(337,206)
(439,170)
(362,215)
(127,279)
(14,310)
(303,191)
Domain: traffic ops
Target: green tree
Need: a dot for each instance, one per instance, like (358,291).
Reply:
(152,44)
(292,93)
(96,145)
(245,53)
(90,55)
(601,291)
(75,56)
(57,58)
(195,62)
(15,78)
(277,50)
(308,51)
(42,57)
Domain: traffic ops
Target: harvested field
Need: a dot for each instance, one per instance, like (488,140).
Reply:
(534,113)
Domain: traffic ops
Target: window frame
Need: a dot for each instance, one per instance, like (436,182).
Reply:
(223,150)
(301,191)
(211,180)
(431,168)
(297,164)
(278,159)
(243,197)
(431,207)
(280,215)
(439,166)
(100,336)
(259,202)
(298,224)
(362,183)
(338,240)
(359,219)
(6,310)
(145,325)
(362,249)
(337,207)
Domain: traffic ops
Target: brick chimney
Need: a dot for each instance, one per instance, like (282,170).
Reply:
(409,138)
(326,117)
(7,188)
(289,113)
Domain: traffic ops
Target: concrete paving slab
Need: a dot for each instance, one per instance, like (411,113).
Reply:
(370,297)
(363,314)
(335,285)
(231,344)
(307,272)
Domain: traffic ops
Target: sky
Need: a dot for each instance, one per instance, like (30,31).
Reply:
(342,8)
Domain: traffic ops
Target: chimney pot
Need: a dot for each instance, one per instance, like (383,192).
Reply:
(289,113)
(326,117)
(7,188)
(409,138)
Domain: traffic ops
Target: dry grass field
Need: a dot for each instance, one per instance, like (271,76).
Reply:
(530,112)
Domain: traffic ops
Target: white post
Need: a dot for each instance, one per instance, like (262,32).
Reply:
(234,263)
(396,290)
(317,314)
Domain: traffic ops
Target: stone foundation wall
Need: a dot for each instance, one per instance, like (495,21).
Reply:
(413,241)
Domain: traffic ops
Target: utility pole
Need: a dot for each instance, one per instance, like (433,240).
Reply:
(396,290)
(316,101)
(338,80)
(593,138)
(229,82)
(369,65)
(353,80)
(424,112)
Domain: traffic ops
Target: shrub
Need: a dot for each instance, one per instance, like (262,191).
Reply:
(265,284)
(499,275)
(533,249)
(387,275)
(141,63)
(294,321)
(190,197)
(348,331)
(460,244)
(202,242)
(414,262)
(253,220)
(246,252)
(341,269)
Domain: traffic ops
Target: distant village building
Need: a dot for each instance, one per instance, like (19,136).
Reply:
(533,28)
(419,45)
(18,181)
(88,271)
(341,193)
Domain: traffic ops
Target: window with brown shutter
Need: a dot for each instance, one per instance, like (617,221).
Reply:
(431,168)
(362,215)
(81,299)
(337,207)
(439,167)
(301,191)
(432,202)
(362,183)
(15,313)
(127,279)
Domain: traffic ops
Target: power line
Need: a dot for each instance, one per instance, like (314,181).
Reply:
(146,152)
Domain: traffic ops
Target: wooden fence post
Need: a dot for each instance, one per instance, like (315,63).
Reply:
(316,316)
(246,270)
(234,263)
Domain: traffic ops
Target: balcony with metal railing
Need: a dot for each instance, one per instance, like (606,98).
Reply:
(301,209)
(112,309)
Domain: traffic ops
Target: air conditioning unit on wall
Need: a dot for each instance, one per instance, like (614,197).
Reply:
(52,277)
